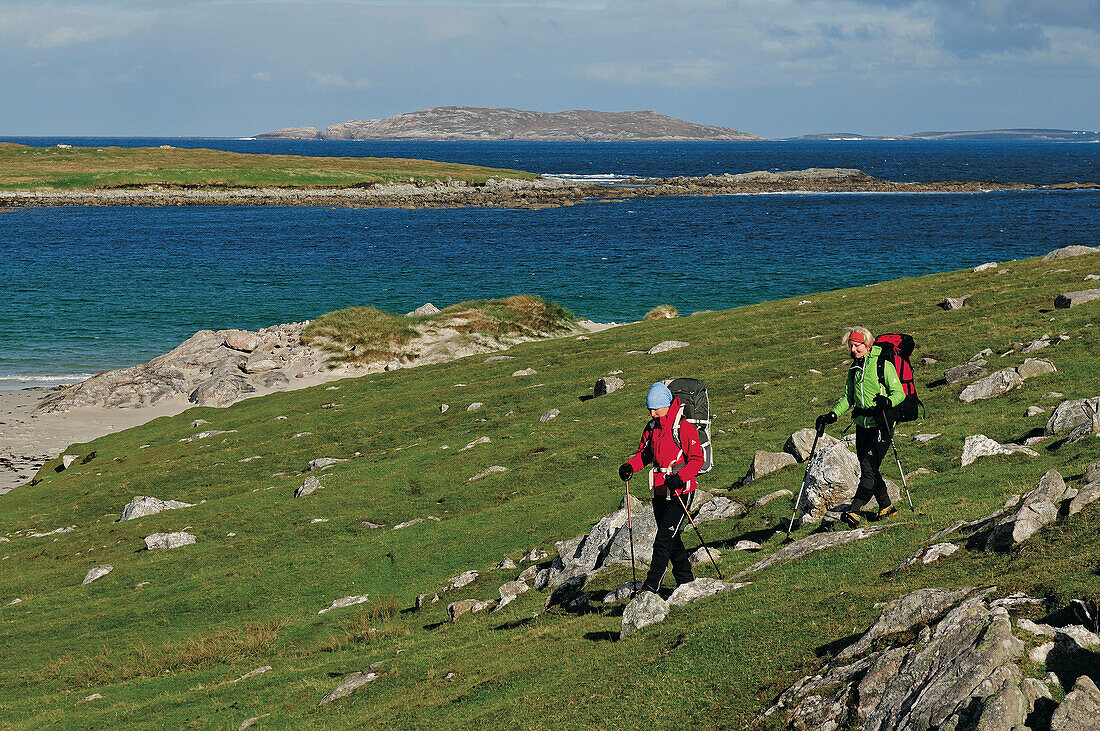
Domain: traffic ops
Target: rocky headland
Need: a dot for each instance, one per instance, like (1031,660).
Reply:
(475,123)
(511,193)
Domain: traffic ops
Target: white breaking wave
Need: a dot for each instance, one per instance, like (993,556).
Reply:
(67,378)
(596,178)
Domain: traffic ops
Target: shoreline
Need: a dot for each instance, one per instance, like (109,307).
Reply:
(512,193)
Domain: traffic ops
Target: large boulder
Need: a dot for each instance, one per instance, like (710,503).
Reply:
(221,391)
(1080,709)
(1071,299)
(1068,251)
(1032,367)
(764,463)
(720,508)
(244,341)
(831,479)
(1071,413)
(964,372)
(800,443)
(1039,507)
(645,530)
(993,385)
(168,540)
(606,385)
(142,506)
(979,445)
(693,591)
(916,609)
(645,609)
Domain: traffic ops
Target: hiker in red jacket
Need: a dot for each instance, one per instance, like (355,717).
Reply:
(672,481)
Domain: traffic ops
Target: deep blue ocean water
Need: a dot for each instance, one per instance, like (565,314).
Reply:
(86,289)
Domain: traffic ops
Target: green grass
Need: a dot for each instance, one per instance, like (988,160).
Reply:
(165,654)
(89,168)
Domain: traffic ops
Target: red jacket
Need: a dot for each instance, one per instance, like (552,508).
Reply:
(659,449)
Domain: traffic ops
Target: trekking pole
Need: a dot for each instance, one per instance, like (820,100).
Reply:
(901,472)
(630,530)
(701,539)
(797,500)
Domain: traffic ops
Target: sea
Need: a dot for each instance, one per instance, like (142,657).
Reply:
(95,288)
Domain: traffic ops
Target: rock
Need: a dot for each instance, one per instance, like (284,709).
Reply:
(488,471)
(346,688)
(323,463)
(498,358)
(68,459)
(1070,414)
(551,414)
(761,502)
(979,445)
(927,361)
(720,508)
(254,673)
(1039,507)
(464,579)
(693,591)
(248,722)
(168,540)
(221,391)
(525,372)
(570,594)
(505,564)
(643,610)
(925,437)
(955,303)
(831,479)
(702,556)
(807,545)
(89,698)
(509,591)
(528,574)
(310,486)
(1068,251)
(993,385)
(348,601)
(667,345)
(243,341)
(623,591)
(443,408)
(1092,472)
(928,555)
(918,608)
(1072,299)
(535,555)
(1080,710)
(474,406)
(425,309)
(198,422)
(479,440)
(97,573)
(764,463)
(744,545)
(261,364)
(606,385)
(467,606)
(645,530)
(142,506)
(1090,427)
(207,435)
(1043,342)
(985,267)
(1034,411)
(1032,367)
(964,372)
(1088,494)
(801,441)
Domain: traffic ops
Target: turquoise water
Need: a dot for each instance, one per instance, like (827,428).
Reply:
(87,289)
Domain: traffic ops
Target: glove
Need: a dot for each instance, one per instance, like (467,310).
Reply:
(825,419)
(625,471)
(882,402)
(674,483)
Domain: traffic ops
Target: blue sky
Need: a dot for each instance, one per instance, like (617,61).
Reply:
(772,67)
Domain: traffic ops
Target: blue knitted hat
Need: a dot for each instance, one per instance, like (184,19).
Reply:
(658,397)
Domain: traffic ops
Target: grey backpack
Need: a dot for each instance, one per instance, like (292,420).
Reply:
(693,396)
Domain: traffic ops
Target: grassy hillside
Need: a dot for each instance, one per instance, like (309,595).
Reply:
(163,635)
(86,168)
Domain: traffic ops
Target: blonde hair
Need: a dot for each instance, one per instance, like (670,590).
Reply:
(867,337)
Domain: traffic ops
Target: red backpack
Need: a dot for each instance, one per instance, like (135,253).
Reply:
(897,348)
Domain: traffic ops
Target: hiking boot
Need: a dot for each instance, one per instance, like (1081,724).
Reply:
(886,512)
(851,519)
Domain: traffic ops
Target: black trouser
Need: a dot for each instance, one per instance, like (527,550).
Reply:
(871,445)
(668,544)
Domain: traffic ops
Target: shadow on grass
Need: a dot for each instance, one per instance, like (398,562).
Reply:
(756,536)
(832,649)
(601,636)
(515,624)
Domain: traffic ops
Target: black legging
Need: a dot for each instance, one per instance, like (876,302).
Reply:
(871,445)
(668,544)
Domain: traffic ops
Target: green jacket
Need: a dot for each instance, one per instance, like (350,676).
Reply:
(862,386)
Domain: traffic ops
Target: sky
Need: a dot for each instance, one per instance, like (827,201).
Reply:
(776,68)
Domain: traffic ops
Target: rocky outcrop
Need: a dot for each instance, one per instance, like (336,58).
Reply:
(1067,251)
(831,479)
(168,540)
(1071,299)
(764,463)
(802,441)
(142,506)
(979,445)
(993,385)
(807,545)
(1070,414)
(1039,507)
(645,609)
(97,573)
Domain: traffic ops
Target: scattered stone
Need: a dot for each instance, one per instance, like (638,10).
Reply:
(368,524)
(606,385)
(1092,472)
(247,723)
(347,601)
(207,434)
(1034,411)
(927,361)
(624,591)
(701,556)
(464,579)
(498,358)
(1088,494)
(1039,507)
(474,406)
(746,546)
(993,385)
(701,588)
(964,372)
(142,506)
(253,673)
(1072,299)
(645,609)
(310,486)
(351,682)
(443,408)
(323,463)
(486,472)
(1070,414)
(168,540)
(985,267)
(979,445)
(1068,251)
(53,532)
(425,309)
(97,573)
(198,422)
(505,564)
(551,414)
(1043,342)
(1092,277)
(955,303)
(1035,367)
(809,544)
(479,440)
(926,437)
(525,372)
(928,555)
(761,502)
(667,345)
(764,463)
(800,443)
(511,590)
(89,698)
(720,508)
(467,606)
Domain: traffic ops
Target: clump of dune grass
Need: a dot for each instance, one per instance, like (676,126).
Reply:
(662,312)
(359,335)
(520,314)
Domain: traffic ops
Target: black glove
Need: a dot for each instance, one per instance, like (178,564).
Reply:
(625,471)
(882,402)
(674,483)
(825,419)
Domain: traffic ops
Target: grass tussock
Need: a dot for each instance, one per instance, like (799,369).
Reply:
(662,312)
(360,335)
(521,314)
(371,622)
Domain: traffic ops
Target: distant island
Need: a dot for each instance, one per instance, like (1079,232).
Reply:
(993,135)
(474,123)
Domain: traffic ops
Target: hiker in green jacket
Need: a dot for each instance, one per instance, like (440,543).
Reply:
(871,399)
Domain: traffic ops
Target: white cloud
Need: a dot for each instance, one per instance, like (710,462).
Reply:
(263,76)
